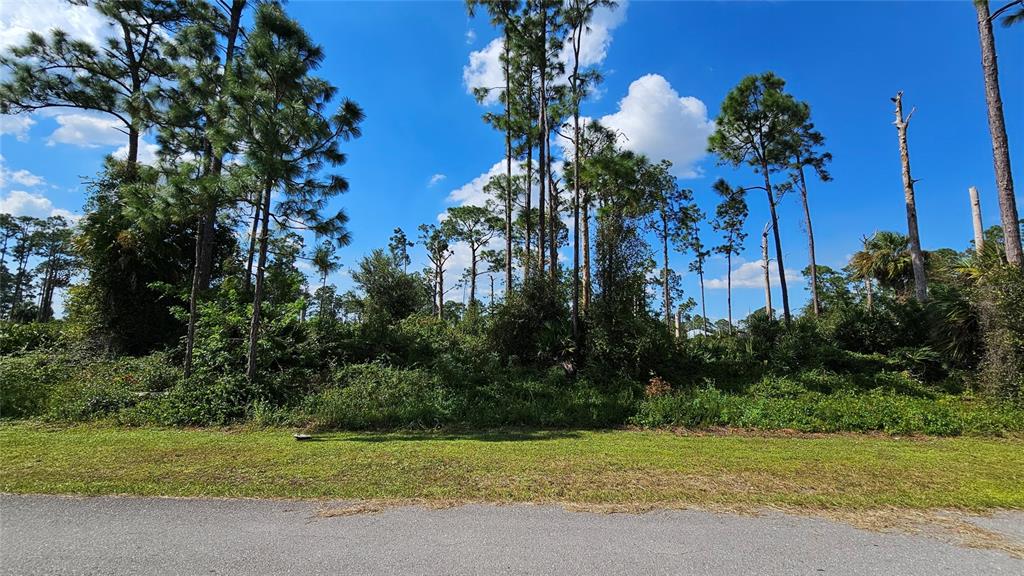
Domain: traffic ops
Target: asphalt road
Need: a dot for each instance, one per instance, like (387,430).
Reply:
(110,536)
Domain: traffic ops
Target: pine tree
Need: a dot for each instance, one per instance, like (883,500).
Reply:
(289,137)
(730,216)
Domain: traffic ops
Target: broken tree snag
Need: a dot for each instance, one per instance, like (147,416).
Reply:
(979,230)
(916,256)
(767,276)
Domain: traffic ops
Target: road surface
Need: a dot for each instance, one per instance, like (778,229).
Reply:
(110,536)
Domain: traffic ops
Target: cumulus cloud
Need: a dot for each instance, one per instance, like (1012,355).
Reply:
(436,179)
(16,126)
(19,17)
(484,69)
(23,177)
(147,153)
(472,192)
(87,131)
(751,275)
(654,120)
(21,203)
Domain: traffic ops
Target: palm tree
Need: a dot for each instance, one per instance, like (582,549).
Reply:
(997,128)
(885,258)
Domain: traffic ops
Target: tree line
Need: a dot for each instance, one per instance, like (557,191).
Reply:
(199,253)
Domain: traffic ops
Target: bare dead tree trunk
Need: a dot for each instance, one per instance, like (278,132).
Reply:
(979,230)
(767,276)
(916,255)
(1000,143)
(810,239)
(678,322)
(440,291)
(257,301)
(576,40)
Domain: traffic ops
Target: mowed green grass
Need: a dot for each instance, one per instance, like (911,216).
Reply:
(618,468)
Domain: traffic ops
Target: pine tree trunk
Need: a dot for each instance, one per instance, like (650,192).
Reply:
(664,269)
(728,287)
(440,291)
(979,230)
(778,245)
(815,306)
(586,250)
(508,167)
(1000,144)
(767,276)
(576,187)
(552,222)
(529,207)
(703,304)
(257,301)
(542,138)
(916,255)
(252,239)
(190,332)
(472,277)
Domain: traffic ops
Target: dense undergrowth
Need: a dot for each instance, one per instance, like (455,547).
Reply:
(426,373)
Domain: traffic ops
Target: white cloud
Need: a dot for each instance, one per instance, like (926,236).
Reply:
(19,17)
(654,120)
(751,275)
(147,153)
(436,179)
(87,131)
(23,177)
(21,203)
(484,69)
(16,126)
(598,37)
(472,192)
(470,36)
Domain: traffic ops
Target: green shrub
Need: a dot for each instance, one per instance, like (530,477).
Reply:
(26,383)
(379,396)
(100,388)
(779,404)
(19,338)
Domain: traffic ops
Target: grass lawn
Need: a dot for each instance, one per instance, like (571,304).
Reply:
(592,469)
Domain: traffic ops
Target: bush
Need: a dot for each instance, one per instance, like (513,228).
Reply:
(19,338)
(782,404)
(379,396)
(26,383)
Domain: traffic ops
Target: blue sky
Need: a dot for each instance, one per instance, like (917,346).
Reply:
(667,66)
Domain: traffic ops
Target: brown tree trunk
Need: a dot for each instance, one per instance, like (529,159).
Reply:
(257,300)
(767,276)
(472,277)
(252,239)
(542,138)
(867,286)
(440,291)
(979,230)
(553,212)
(1000,144)
(815,306)
(664,270)
(576,184)
(778,245)
(916,255)
(728,287)
(529,208)
(508,168)
(586,249)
